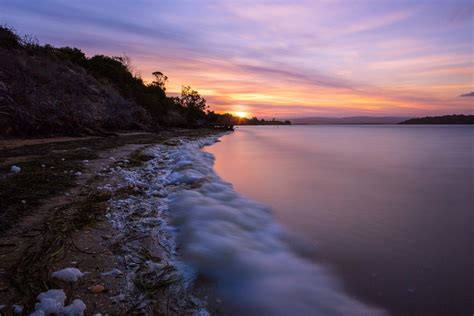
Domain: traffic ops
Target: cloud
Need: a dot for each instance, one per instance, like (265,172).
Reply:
(279,56)
(470,94)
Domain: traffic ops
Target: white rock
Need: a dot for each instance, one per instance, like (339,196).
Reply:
(68,274)
(78,174)
(17,309)
(77,308)
(15,169)
(50,302)
(114,271)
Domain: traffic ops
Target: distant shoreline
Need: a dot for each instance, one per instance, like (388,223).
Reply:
(454,119)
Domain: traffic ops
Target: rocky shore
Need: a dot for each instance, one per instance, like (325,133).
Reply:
(86,217)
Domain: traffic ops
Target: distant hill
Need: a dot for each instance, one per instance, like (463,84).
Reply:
(445,119)
(348,120)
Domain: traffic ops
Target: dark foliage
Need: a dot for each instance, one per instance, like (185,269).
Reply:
(446,119)
(64,91)
(9,39)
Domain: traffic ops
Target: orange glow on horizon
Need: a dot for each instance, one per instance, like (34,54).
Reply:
(240,114)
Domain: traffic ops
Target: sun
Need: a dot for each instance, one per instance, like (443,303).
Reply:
(240,114)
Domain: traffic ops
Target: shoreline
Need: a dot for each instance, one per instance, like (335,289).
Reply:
(71,228)
(208,255)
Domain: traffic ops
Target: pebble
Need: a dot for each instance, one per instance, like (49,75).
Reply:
(17,309)
(96,289)
(15,169)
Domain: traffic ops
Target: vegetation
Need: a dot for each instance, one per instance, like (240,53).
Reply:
(50,90)
(446,119)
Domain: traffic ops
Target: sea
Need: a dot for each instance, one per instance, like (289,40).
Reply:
(376,215)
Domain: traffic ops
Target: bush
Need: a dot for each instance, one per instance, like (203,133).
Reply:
(9,39)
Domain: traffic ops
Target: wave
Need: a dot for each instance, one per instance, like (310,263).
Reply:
(236,243)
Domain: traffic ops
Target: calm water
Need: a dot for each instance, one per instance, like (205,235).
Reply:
(388,208)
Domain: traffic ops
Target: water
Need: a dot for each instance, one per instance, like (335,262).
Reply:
(388,208)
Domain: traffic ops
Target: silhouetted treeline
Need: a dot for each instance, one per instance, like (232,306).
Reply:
(445,119)
(256,121)
(50,90)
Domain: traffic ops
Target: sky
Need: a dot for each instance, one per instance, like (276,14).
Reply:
(273,58)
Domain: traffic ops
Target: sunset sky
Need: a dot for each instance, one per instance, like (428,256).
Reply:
(279,59)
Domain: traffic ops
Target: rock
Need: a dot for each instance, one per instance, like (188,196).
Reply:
(68,274)
(17,309)
(96,289)
(15,169)
(78,174)
(77,308)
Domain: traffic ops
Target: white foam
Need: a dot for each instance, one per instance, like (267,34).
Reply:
(237,244)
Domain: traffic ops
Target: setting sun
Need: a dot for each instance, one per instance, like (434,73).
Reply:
(241,114)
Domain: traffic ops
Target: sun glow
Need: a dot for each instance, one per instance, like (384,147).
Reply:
(241,114)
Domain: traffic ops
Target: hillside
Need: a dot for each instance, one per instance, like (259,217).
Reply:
(446,119)
(47,91)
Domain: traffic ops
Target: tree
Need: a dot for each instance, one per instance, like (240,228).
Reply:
(194,105)
(160,80)
(191,99)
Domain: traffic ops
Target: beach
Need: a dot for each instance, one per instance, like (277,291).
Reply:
(101,228)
